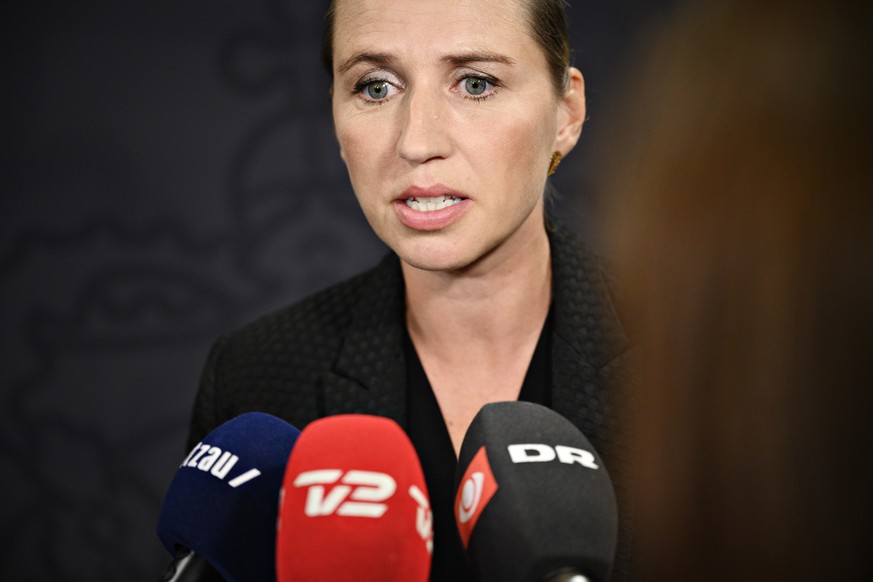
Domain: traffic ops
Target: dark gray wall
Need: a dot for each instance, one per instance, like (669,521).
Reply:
(168,172)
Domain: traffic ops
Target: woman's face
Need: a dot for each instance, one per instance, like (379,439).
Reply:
(447,119)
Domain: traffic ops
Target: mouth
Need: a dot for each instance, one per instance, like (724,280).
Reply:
(432,208)
(430,199)
(432,203)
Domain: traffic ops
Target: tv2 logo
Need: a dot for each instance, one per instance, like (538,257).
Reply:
(359,494)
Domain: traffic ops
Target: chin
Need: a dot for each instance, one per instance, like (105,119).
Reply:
(434,257)
(432,262)
(454,249)
(441,255)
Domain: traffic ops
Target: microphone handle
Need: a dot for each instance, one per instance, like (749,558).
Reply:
(189,567)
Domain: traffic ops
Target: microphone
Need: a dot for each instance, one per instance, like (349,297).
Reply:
(534,501)
(218,518)
(354,505)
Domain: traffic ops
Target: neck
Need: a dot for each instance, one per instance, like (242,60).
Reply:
(499,300)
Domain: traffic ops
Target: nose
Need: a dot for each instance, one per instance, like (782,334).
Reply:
(423,127)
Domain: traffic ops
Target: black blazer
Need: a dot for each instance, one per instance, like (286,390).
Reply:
(341,351)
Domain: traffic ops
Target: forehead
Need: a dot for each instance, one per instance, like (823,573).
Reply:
(411,27)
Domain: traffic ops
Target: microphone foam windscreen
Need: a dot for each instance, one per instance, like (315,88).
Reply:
(222,502)
(354,505)
(533,496)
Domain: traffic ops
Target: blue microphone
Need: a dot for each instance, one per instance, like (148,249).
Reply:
(221,505)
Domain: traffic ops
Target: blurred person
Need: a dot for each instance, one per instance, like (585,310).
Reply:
(739,218)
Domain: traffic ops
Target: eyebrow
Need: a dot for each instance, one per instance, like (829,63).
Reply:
(386,60)
(381,59)
(477,57)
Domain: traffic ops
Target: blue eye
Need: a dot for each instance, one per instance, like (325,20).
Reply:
(377,90)
(475,85)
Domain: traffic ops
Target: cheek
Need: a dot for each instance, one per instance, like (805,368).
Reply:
(355,153)
(524,149)
(350,147)
(362,149)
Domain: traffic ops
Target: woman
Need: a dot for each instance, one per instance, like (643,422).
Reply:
(449,118)
(740,222)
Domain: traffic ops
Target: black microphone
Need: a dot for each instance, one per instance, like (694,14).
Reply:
(534,501)
(218,519)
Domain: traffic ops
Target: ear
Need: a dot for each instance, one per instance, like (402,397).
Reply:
(571,112)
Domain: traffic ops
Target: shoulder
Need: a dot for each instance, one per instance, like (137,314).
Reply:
(575,261)
(316,321)
(276,363)
(584,299)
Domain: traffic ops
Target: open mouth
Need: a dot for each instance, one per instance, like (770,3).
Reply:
(432,203)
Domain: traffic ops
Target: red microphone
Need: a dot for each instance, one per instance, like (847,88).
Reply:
(354,505)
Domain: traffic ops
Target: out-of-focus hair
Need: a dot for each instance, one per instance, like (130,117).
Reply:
(738,215)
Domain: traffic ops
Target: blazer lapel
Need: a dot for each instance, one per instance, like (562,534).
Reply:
(586,334)
(369,376)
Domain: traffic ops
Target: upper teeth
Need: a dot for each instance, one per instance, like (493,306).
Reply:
(427,204)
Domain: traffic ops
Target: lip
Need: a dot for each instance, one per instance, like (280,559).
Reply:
(434,219)
(430,192)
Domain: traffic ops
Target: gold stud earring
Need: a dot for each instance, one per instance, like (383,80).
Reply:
(553,164)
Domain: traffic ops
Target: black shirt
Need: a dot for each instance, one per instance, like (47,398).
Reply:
(428,433)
